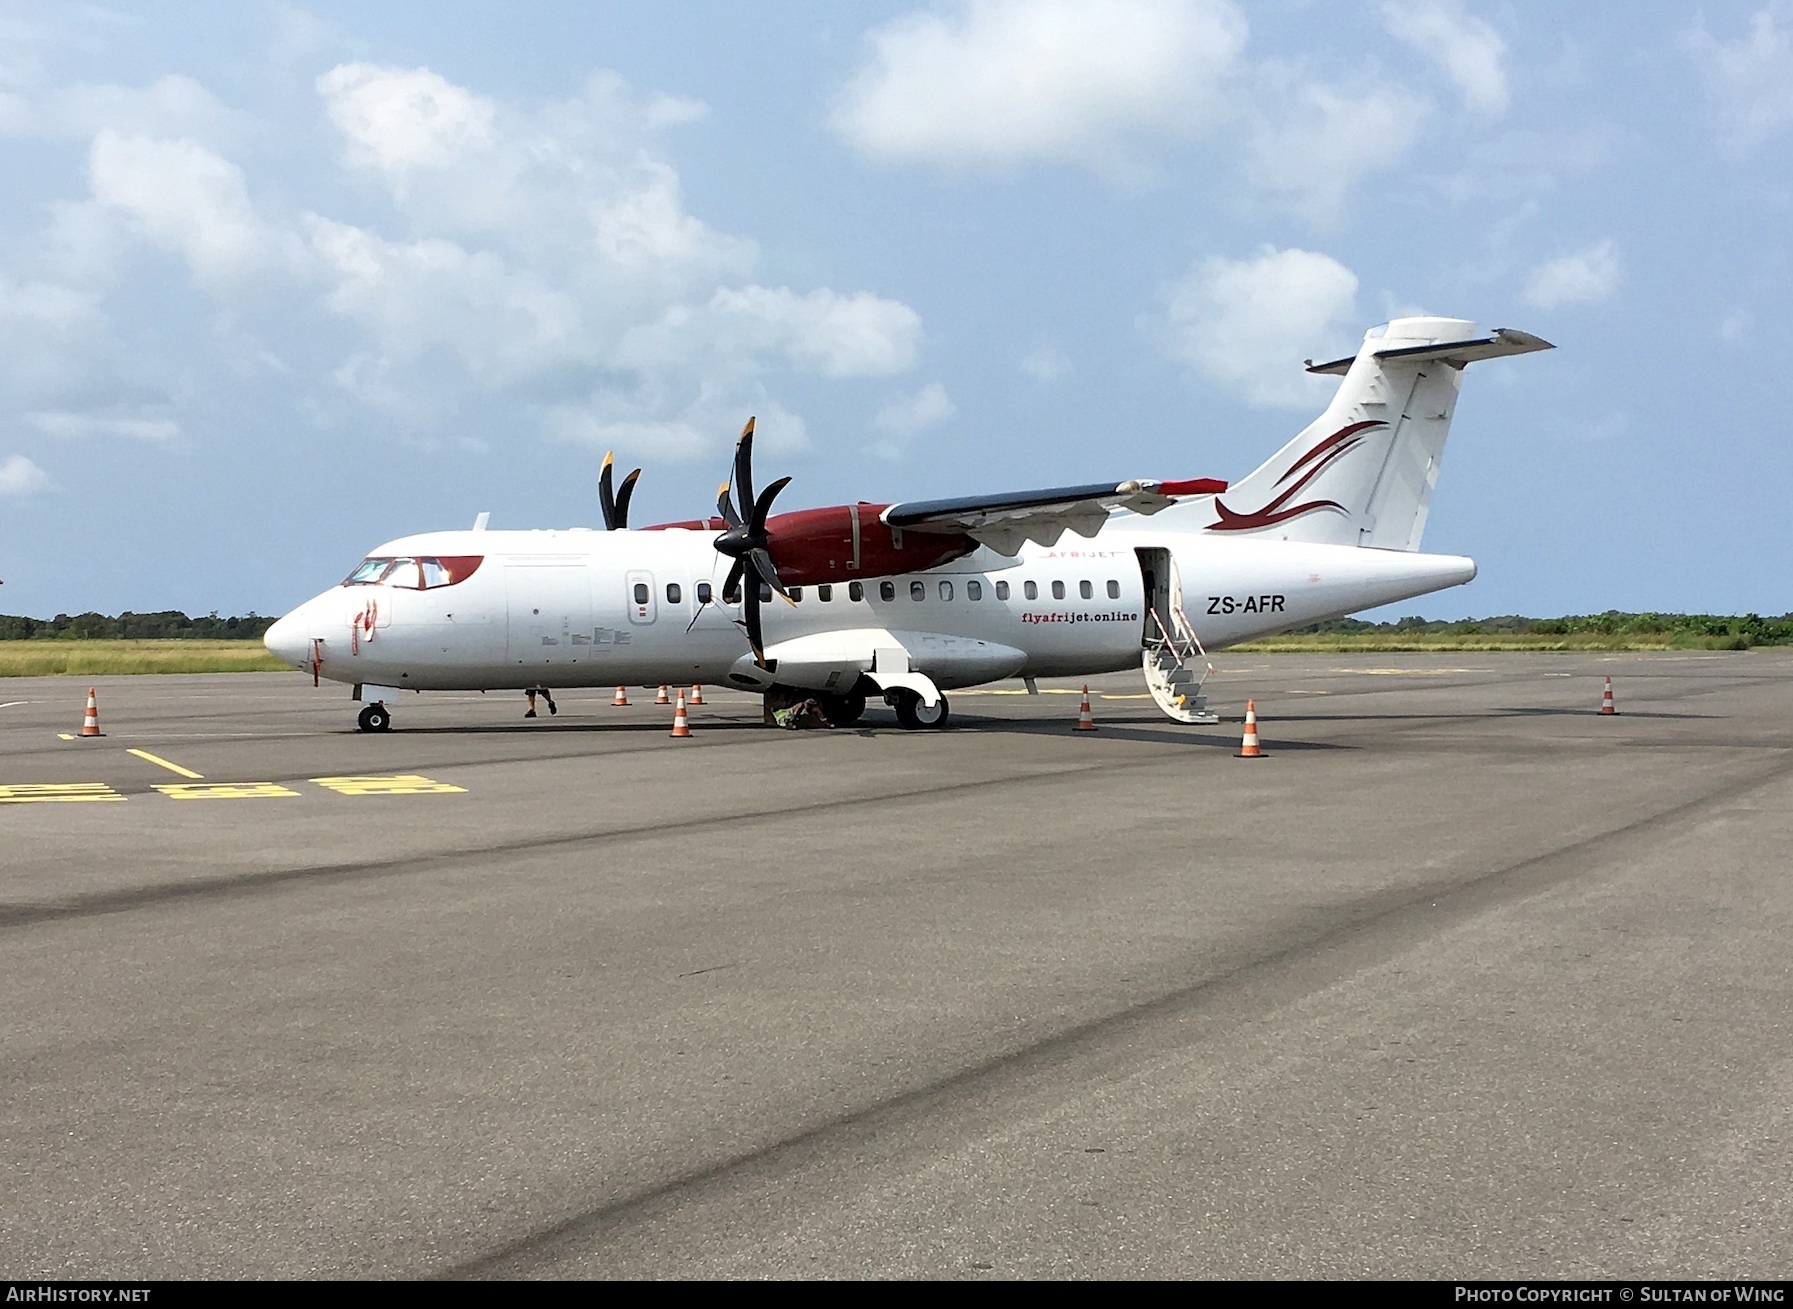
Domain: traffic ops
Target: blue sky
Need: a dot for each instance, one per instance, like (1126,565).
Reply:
(279,283)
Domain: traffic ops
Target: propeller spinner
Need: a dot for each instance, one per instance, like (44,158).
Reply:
(745,540)
(615,504)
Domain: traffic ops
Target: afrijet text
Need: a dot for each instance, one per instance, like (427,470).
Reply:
(1066,616)
(1251,604)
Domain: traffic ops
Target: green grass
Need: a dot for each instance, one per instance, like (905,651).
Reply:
(1425,642)
(118,658)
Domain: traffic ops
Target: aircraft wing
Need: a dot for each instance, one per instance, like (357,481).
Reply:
(1005,520)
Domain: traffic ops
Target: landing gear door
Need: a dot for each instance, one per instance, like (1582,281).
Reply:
(639,597)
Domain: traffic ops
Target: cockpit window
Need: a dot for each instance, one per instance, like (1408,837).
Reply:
(418,574)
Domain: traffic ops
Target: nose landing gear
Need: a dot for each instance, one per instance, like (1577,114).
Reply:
(375,718)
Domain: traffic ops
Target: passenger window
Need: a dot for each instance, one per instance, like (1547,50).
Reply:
(1058,590)
(796,592)
(1029,590)
(641,593)
(1002,590)
(946,590)
(703,593)
(733,596)
(1114,589)
(855,590)
(674,593)
(887,590)
(1083,589)
(974,590)
(918,590)
(825,593)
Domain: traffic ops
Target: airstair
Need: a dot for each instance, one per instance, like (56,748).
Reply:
(1176,665)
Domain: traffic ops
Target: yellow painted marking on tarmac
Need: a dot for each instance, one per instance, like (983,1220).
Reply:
(401,784)
(66,736)
(158,760)
(57,792)
(1143,695)
(224,791)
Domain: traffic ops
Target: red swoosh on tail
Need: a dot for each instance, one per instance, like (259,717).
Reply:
(1322,454)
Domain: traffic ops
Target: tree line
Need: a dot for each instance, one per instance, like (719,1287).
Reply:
(169,625)
(1728,631)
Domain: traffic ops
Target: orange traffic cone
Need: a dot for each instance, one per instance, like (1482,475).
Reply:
(662,698)
(622,697)
(1606,699)
(680,726)
(1084,722)
(697,694)
(1248,744)
(92,726)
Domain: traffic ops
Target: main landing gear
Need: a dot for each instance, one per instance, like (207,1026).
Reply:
(375,718)
(915,715)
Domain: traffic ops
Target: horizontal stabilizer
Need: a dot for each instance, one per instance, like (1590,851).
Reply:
(1503,341)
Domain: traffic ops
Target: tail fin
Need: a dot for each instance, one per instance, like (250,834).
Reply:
(1363,472)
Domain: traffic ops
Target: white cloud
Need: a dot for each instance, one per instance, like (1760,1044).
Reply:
(1320,140)
(19,477)
(903,417)
(60,423)
(49,334)
(1246,324)
(550,245)
(500,323)
(1749,81)
(1465,47)
(1009,81)
(839,335)
(1585,277)
(911,413)
(535,257)
(1046,363)
(398,119)
(174,106)
(185,198)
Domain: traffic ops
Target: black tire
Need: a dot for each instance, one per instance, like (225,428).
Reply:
(375,718)
(843,710)
(915,716)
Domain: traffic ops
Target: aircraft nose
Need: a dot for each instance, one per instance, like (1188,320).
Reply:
(286,640)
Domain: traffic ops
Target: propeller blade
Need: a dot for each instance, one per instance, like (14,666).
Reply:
(744,469)
(622,501)
(726,508)
(733,584)
(607,497)
(764,505)
(762,564)
(755,637)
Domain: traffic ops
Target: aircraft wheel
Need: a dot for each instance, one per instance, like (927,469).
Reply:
(843,710)
(914,715)
(375,718)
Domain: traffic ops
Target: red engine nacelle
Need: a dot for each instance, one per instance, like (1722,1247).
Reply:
(843,543)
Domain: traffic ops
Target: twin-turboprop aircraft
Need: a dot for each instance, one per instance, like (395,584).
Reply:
(904,602)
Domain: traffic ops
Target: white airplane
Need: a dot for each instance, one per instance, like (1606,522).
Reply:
(906,601)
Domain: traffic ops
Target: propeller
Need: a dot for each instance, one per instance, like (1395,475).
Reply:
(615,504)
(744,540)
